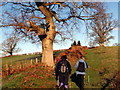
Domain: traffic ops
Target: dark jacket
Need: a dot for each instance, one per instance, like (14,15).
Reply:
(58,66)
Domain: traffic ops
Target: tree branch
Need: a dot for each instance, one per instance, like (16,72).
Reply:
(79,17)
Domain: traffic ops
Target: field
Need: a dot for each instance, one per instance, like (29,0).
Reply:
(102,61)
(103,64)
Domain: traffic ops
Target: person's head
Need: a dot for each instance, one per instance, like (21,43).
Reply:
(82,57)
(64,57)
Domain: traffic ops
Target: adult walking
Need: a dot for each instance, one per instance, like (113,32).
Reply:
(80,66)
(63,70)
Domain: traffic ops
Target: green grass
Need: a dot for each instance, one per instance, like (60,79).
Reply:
(19,58)
(37,77)
(57,52)
(12,59)
(100,60)
(19,61)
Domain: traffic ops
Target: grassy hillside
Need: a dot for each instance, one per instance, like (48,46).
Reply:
(18,58)
(103,63)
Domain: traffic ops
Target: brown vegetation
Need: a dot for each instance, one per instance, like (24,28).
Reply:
(73,53)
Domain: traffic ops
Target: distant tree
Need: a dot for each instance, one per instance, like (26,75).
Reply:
(116,44)
(74,43)
(79,43)
(91,43)
(101,29)
(9,46)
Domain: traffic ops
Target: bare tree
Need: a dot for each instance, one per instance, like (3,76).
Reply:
(74,43)
(79,43)
(43,21)
(9,46)
(101,28)
(116,44)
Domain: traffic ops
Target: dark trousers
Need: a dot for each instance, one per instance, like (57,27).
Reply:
(80,81)
(63,78)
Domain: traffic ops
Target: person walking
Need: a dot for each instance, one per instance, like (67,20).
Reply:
(80,66)
(63,70)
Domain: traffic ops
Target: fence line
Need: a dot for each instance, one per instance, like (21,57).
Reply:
(9,69)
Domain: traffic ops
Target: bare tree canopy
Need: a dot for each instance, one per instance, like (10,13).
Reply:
(45,21)
(9,46)
(101,29)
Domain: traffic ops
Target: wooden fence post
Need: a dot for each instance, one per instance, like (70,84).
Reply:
(31,62)
(7,68)
(20,66)
(88,78)
(36,60)
(25,64)
(11,69)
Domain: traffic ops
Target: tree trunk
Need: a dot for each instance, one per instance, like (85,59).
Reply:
(47,48)
(47,52)
(101,44)
(47,43)
(11,53)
